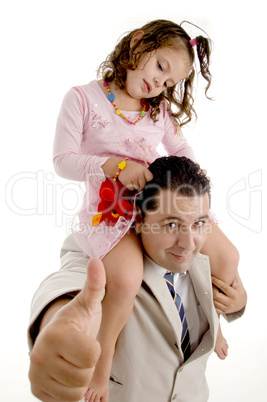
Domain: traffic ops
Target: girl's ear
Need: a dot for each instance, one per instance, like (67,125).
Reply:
(136,37)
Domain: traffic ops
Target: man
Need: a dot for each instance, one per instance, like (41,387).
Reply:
(150,361)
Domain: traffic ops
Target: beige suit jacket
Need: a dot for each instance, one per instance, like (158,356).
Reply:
(148,362)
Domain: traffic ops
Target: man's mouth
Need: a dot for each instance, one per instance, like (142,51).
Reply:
(181,257)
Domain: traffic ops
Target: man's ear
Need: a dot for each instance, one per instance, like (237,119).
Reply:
(136,37)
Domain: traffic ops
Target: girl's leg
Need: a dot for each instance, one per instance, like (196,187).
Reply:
(224,259)
(221,347)
(124,273)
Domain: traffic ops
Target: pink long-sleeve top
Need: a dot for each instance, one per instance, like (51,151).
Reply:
(89,132)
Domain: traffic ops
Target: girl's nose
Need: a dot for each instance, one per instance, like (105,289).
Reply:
(157,82)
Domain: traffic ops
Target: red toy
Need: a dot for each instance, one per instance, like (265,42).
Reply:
(115,202)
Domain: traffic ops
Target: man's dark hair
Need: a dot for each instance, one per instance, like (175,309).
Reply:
(178,174)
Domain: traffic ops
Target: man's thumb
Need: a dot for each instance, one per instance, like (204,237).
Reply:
(92,294)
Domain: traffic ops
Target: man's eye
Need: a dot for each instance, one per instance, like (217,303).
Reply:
(199,224)
(171,225)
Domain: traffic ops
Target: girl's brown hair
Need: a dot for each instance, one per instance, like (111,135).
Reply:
(158,34)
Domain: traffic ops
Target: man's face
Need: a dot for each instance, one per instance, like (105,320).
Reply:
(175,232)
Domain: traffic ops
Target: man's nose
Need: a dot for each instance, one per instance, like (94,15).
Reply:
(185,239)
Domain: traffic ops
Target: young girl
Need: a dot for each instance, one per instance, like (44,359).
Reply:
(110,129)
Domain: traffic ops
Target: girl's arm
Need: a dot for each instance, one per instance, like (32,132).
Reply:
(72,164)
(173,140)
(69,161)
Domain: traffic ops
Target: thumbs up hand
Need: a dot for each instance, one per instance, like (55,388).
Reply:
(65,351)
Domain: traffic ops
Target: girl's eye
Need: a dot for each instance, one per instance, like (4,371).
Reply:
(160,66)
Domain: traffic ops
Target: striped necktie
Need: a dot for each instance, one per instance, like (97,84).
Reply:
(185,339)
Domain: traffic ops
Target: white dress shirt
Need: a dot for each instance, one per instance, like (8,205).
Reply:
(196,319)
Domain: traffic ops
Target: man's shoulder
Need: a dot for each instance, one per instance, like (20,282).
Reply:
(200,259)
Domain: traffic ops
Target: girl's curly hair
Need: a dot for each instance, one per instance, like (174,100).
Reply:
(158,34)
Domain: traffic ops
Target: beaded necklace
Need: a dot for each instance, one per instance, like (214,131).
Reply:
(111,98)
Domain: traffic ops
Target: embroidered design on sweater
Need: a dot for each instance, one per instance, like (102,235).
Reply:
(98,122)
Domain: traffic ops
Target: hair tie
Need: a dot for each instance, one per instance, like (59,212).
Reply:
(193,42)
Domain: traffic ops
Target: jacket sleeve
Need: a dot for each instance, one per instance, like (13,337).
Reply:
(69,160)
(69,280)
(234,316)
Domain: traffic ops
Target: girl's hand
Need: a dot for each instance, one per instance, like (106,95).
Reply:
(228,299)
(204,171)
(135,176)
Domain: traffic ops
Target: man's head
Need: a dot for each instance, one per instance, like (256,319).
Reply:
(174,212)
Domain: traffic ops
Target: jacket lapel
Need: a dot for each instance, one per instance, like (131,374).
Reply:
(158,287)
(201,279)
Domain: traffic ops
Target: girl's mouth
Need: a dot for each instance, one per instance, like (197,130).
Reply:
(147,87)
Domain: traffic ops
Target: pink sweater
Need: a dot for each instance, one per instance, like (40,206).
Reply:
(88,133)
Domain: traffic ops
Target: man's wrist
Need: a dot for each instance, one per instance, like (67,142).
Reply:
(51,310)
(48,313)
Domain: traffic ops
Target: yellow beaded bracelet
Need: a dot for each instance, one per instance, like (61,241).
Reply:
(121,166)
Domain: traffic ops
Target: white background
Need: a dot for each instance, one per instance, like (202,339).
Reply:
(48,47)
